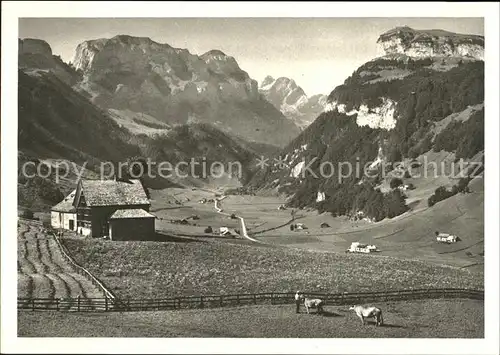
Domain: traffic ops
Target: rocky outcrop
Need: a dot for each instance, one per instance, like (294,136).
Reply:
(291,100)
(430,43)
(35,55)
(374,117)
(34,46)
(175,86)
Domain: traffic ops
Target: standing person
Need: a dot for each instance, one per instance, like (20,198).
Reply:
(297,302)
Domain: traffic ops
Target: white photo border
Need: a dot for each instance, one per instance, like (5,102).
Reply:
(12,11)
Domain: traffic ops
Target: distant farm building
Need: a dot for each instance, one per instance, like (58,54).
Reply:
(357,247)
(225,231)
(300,226)
(98,202)
(446,238)
(63,215)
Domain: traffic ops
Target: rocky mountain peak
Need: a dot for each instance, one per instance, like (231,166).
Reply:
(291,100)
(267,80)
(430,43)
(214,53)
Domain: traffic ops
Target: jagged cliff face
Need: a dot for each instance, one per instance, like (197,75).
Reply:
(381,116)
(175,86)
(291,100)
(430,43)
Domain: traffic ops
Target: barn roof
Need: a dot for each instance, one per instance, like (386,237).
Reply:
(114,193)
(131,213)
(66,205)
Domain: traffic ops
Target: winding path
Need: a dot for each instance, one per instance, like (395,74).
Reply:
(244,231)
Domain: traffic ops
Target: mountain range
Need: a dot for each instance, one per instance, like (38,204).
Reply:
(137,75)
(128,96)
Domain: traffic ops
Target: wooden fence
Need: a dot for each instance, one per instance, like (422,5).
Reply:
(108,295)
(274,298)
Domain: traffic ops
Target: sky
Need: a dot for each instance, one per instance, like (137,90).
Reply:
(318,53)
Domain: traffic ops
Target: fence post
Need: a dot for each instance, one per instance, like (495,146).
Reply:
(201,302)
(221,301)
(179,303)
(272,298)
(238,299)
(128,303)
(78,303)
(106,303)
(57,303)
(32,304)
(254,298)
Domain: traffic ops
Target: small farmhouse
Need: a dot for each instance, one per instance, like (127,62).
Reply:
(99,202)
(63,215)
(446,238)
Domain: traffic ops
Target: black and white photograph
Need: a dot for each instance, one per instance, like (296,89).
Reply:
(320,178)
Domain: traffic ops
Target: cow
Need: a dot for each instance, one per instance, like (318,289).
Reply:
(313,303)
(368,312)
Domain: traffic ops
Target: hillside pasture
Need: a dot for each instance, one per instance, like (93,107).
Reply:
(415,319)
(191,266)
(410,235)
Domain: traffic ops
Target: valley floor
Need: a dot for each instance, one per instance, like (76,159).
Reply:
(409,236)
(416,319)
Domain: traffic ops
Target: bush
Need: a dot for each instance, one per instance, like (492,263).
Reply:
(395,155)
(441,194)
(462,185)
(28,214)
(395,182)
(208,230)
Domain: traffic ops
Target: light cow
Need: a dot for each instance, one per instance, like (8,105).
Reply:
(313,303)
(368,312)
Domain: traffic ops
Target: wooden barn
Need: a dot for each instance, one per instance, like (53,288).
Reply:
(63,215)
(131,224)
(103,203)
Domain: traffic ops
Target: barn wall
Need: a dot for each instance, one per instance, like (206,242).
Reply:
(69,217)
(132,229)
(61,220)
(101,214)
(54,220)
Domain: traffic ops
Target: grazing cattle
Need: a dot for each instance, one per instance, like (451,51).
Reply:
(313,303)
(368,312)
